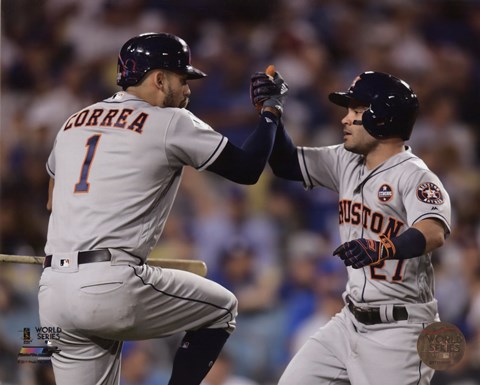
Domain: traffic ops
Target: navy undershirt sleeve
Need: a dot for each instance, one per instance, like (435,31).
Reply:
(245,164)
(284,159)
(410,244)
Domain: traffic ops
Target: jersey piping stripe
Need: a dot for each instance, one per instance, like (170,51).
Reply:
(310,182)
(365,278)
(419,372)
(420,365)
(122,101)
(49,169)
(430,215)
(360,187)
(395,165)
(211,156)
(184,298)
(375,173)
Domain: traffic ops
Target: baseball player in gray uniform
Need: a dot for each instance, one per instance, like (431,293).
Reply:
(393,211)
(116,166)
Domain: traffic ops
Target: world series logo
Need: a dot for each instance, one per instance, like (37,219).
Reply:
(441,345)
(385,193)
(48,332)
(39,353)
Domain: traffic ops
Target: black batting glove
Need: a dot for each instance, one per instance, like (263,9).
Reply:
(364,252)
(261,88)
(268,91)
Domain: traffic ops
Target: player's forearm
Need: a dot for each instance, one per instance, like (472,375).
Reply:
(245,165)
(434,232)
(418,240)
(422,238)
(260,142)
(284,159)
(409,244)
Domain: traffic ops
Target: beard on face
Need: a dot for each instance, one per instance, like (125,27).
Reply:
(184,103)
(169,100)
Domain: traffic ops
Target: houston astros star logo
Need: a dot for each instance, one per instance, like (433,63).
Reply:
(429,192)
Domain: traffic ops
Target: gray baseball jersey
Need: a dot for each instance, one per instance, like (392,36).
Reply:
(117,166)
(386,200)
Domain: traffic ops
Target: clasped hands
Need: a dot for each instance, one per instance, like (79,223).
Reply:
(267,90)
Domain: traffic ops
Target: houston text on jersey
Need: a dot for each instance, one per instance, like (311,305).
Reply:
(355,213)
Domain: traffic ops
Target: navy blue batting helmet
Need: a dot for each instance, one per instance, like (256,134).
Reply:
(393,106)
(148,51)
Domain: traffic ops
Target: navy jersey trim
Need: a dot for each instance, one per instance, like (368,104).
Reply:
(420,366)
(377,172)
(211,156)
(122,101)
(433,215)
(183,298)
(395,165)
(360,188)
(365,280)
(419,372)
(49,169)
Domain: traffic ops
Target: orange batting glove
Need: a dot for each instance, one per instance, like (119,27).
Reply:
(364,252)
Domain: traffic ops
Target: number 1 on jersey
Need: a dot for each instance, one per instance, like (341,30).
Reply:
(83,185)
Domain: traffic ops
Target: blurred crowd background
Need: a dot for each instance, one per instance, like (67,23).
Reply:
(271,243)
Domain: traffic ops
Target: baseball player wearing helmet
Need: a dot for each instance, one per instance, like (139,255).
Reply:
(393,211)
(116,166)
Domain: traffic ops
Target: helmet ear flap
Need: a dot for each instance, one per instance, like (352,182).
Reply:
(378,119)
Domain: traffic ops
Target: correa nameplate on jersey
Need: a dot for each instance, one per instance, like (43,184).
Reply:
(65,262)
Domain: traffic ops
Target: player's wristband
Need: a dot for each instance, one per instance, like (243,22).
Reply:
(409,244)
(271,115)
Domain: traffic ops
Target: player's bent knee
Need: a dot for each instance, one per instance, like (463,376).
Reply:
(233,306)
(234,311)
(227,321)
